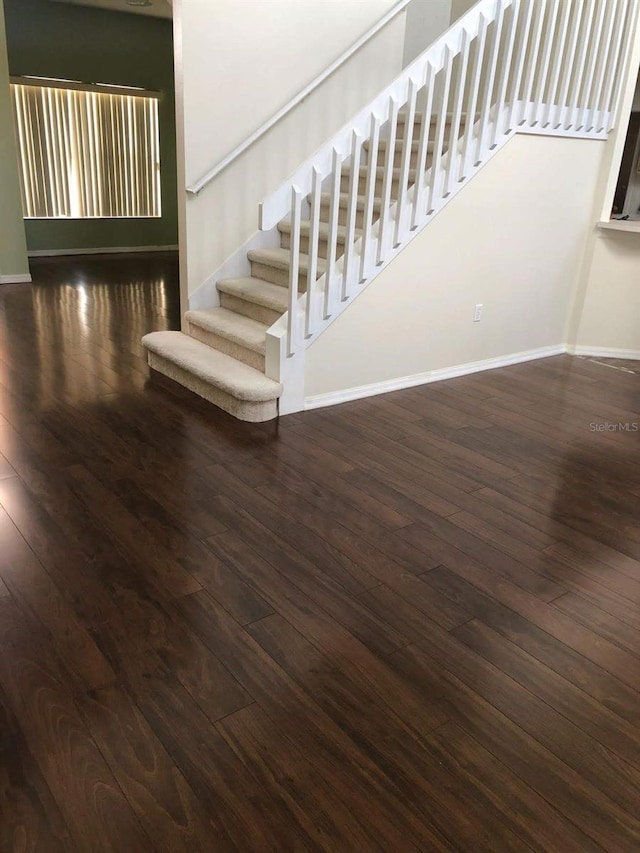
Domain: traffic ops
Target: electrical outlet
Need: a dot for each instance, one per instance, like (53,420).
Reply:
(477,314)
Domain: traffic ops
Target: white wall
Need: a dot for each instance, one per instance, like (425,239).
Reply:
(459,7)
(426,20)
(606,311)
(239,64)
(610,317)
(513,241)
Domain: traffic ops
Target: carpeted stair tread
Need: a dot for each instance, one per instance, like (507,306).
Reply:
(284,227)
(380,170)
(325,200)
(402,117)
(415,145)
(228,374)
(231,326)
(256,290)
(281,259)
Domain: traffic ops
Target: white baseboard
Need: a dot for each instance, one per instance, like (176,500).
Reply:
(604,352)
(333,398)
(22,278)
(105,250)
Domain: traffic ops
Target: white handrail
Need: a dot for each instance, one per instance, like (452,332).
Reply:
(197,188)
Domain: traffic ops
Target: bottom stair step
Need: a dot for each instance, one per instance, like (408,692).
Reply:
(231,333)
(226,382)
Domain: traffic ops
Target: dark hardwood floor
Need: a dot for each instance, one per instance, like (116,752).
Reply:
(410,623)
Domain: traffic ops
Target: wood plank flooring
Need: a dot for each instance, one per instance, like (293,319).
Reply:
(410,623)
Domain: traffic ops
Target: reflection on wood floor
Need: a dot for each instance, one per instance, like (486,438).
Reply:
(87,314)
(408,623)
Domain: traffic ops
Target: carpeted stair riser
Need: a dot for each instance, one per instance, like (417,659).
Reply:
(277,275)
(273,265)
(249,309)
(397,163)
(417,126)
(417,130)
(397,160)
(323,245)
(345,181)
(235,350)
(325,211)
(254,412)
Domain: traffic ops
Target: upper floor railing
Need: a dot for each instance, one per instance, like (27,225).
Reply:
(535,66)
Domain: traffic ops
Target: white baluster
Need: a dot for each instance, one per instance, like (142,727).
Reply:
(580,65)
(352,212)
(521,55)
(528,107)
(423,147)
(438,142)
(387,180)
(545,62)
(614,56)
(556,66)
(334,215)
(370,198)
(314,233)
(594,47)
(505,70)
(474,95)
(605,47)
(405,162)
(489,83)
(568,67)
(294,270)
(458,99)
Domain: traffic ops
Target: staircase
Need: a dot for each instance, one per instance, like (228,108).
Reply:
(507,66)
(221,354)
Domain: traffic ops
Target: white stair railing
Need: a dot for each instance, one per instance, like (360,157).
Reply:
(534,66)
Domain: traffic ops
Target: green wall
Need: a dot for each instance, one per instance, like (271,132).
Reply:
(13,250)
(49,39)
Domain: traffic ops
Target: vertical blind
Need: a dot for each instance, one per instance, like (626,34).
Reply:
(87,154)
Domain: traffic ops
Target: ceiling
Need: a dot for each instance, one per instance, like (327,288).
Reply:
(158,9)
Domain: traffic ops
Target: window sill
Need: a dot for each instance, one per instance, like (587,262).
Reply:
(620,225)
(86,218)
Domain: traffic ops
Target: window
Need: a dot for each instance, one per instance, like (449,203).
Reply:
(86,153)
